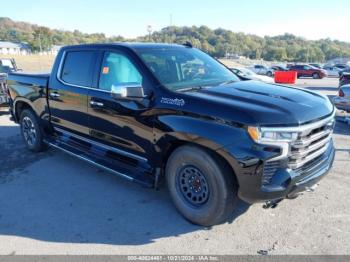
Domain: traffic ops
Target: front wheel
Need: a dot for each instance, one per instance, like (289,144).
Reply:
(201,185)
(31,132)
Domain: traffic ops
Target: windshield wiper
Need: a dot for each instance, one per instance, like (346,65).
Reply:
(192,88)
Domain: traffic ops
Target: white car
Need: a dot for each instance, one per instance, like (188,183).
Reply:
(332,71)
(249,74)
(259,69)
(342,101)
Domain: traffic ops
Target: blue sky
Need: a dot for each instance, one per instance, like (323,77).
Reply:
(312,19)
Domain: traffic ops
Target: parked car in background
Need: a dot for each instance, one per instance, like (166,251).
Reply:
(316,65)
(333,71)
(346,70)
(3,89)
(271,71)
(249,74)
(342,101)
(344,79)
(8,65)
(308,71)
(259,69)
(342,66)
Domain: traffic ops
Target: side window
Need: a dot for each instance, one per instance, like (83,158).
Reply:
(117,69)
(77,68)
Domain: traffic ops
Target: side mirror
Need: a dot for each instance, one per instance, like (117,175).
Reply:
(127,91)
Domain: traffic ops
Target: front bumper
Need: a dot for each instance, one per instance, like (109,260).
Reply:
(287,182)
(249,164)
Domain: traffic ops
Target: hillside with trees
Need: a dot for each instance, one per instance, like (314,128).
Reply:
(217,42)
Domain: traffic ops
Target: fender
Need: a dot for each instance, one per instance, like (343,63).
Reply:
(36,102)
(231,142)
(174,129)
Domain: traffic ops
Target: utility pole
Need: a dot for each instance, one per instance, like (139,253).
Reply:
(149,29)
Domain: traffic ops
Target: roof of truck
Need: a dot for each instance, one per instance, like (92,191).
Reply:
(134,45)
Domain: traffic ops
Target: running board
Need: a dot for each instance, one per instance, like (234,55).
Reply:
(111,165)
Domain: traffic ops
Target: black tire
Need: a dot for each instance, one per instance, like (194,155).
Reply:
(216,184)
(31,131)
(269,74)
(316,76)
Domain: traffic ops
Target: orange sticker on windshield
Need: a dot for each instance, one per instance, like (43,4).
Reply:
(105,70)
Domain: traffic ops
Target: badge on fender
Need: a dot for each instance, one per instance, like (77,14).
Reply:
(173,101)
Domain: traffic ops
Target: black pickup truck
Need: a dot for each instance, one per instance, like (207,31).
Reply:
(149,112)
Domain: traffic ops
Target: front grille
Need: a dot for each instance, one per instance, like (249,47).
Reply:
(310,144)
(312,166)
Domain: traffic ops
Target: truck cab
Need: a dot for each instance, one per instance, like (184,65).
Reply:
(157,112)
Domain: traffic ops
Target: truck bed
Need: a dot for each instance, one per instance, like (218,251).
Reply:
(29,88)
(38,79)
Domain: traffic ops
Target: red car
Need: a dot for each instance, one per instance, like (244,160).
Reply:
(308,71)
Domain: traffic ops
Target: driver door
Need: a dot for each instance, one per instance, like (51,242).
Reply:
(120,123)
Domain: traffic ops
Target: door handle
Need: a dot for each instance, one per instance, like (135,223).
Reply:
(54,94)
(95,103)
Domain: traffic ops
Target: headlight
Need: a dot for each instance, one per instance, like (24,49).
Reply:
(263,135)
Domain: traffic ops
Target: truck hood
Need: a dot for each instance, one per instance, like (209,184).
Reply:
(258,103)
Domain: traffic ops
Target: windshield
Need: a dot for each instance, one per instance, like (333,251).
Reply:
(7,62)
(182,68)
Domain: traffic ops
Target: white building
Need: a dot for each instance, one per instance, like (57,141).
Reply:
(9,48)
(54,49)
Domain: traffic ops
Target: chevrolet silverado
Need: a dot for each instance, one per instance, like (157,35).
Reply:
(159,112)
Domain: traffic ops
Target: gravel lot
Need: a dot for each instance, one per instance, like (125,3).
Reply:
(52,203)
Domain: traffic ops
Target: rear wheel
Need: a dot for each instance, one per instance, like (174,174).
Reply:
(31,132)
(269,73)
(201,185)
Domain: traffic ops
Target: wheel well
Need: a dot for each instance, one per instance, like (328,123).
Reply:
(176,144)
(20,106)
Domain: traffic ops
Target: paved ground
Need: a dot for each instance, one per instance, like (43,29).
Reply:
(54,204)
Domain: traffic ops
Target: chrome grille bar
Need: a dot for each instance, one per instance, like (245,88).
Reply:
(302,152)
(296,164)
(311,139)
(311,144)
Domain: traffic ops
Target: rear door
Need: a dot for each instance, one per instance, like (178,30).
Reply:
(68,91)
(300,70)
